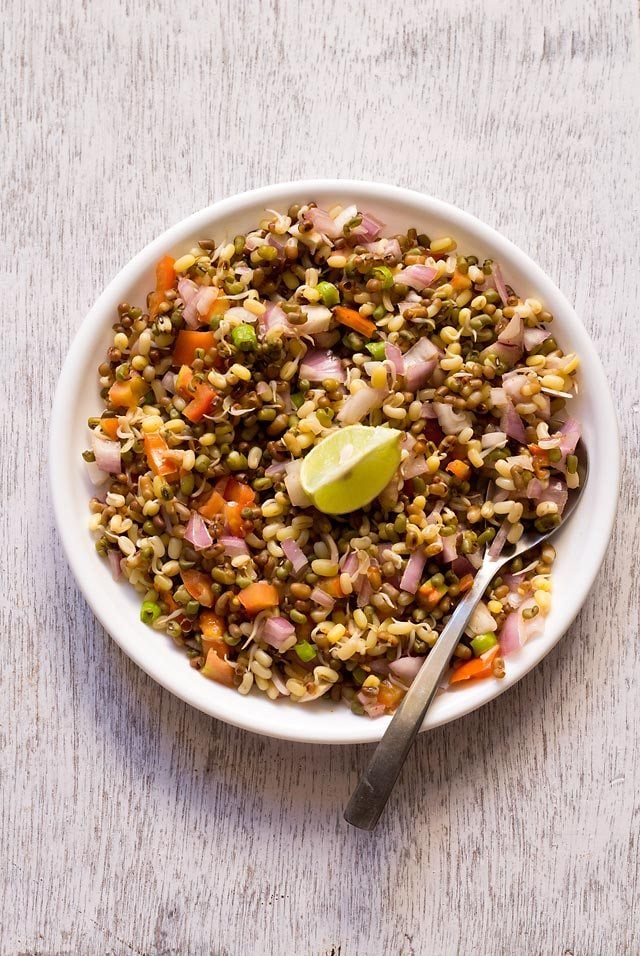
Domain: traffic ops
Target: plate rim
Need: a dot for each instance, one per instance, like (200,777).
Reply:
(182,231)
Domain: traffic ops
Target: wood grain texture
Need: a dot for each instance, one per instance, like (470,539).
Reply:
(132,824)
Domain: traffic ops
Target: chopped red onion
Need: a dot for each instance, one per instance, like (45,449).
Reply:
(420,362)
(274,318)
(115,563)
(556,492)
(295,554)
(395,356)
(277,468)
(277,245)
(294,487)
(365,592)
(461,566)
(417,277)
(513,384)
(410,580)
(318,596)
(318,365)
(233,545)
(380,666)
(481,621)
(107,454)
(531,627)
(323,222)
(196,533)
(512,424)
(500,284)
(188,292)
(498,543)
(411,467)
(317,319)
(368,230)
(168,381)
(406,669)
(449,548)
(534,337)
(384,248)
(508,354)
(512,333)
(509,636)
(276,631)
(96,475)
(569,436)
(374,710)
(360,404)
(428,411)
(349,562)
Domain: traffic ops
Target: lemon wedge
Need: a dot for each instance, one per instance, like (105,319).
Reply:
(347,469)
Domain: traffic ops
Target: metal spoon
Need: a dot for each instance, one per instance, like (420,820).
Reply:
(374,789)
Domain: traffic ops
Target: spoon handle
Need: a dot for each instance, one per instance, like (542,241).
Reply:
(370,796)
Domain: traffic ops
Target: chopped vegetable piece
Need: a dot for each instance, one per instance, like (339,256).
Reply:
(158,452)
(214,505)
(198,584)
(482,643)
(354,320)
(429,596)
(200,404)
(305,651)
(127,394)
(377,350)
(328,293)
(218,669)
(183,382)
(389,695)
(165,280)
(258,596)
(187,341)
(475,668)
(110,427)
(460,469)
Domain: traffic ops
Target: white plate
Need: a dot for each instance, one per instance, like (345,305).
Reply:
(581,546)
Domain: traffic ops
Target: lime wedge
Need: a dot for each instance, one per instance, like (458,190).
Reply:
(348,468)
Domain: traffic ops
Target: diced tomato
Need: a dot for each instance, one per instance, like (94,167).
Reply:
(110,427)
(460,469)
(183,381)
(213,631)
(127,394)
(158,455)
(214,505)
(429,597)
(198,585)
(241,493)
(216,668)
(389,695)
(477,667)
(165,279)
(460,281)
(258,596)
(201,403)
(234,518)
(187,341)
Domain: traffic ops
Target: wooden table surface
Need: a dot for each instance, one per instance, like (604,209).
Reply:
(130,822)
